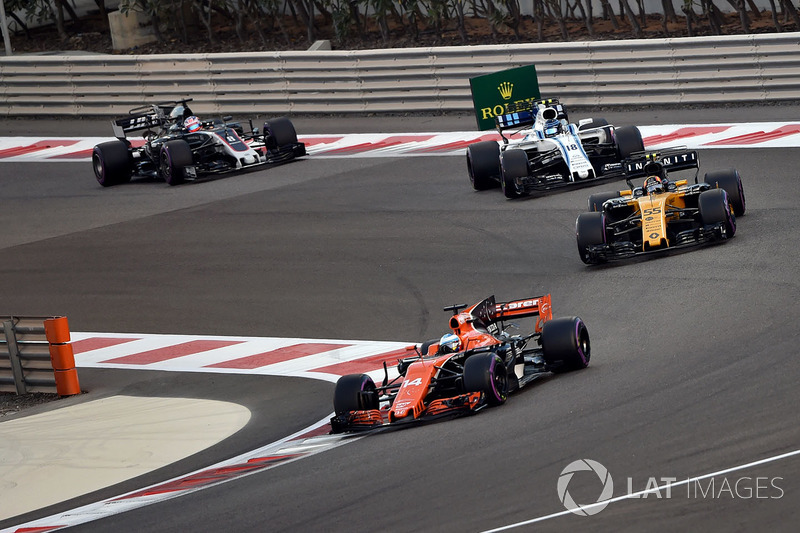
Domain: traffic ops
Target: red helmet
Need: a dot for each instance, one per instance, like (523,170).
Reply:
(192,124)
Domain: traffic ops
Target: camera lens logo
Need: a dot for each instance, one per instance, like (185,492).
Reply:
(579,466)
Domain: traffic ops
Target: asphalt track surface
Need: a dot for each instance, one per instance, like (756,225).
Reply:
(694,355)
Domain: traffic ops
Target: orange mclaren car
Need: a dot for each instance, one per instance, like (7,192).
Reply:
(476,365)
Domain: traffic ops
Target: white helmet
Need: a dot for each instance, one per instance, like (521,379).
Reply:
(449,343)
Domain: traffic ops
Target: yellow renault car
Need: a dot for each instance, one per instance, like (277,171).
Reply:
(661,214)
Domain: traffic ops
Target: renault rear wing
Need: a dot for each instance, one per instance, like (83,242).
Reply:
(672,159)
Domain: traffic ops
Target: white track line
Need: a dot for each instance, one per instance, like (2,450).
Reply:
(667,486)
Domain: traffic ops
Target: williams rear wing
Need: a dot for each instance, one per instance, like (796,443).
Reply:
(524,114)
(518,119)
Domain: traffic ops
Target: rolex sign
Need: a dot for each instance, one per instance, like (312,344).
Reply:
(492,94)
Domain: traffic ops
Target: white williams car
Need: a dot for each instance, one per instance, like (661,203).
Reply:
(541,150)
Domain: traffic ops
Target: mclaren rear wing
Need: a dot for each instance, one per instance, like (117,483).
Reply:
(540,307)
(487,313)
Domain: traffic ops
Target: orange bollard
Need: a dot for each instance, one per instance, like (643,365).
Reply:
(61,356)
(57,330)
(67,382)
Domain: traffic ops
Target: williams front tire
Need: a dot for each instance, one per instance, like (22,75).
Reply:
(483,165)
(513,167)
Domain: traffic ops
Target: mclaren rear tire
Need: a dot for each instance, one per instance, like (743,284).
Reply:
(112,163)
(629,141)
(730,180)
(174,157)
(565,344)
(715,208)
(486,373)
(590,230)
(355,392)
(483,165)
(513,165)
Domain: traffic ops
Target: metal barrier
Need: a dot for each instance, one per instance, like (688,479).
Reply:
(695,70)
(35,356)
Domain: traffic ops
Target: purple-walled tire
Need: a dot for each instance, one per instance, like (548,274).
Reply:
(597,200)
(175,155)
(355,392)
(590,230)
(729,180)
(111,162)
(486,373)
(715,208)
(565,344)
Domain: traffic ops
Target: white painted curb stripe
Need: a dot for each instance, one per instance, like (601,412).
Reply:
(296,445)
(292,445)
(694,136)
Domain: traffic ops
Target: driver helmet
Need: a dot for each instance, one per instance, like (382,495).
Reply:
(192,124)
(449,343)
(552,127)
(654,185)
